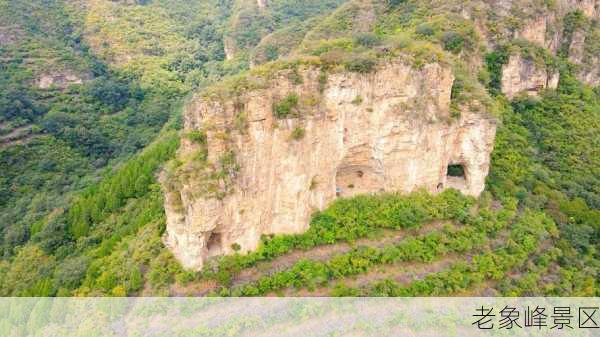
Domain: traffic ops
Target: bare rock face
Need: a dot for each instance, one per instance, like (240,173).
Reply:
(229,48)
(261,3)
(60,80)
(587,61)
(535,31)
(542,31)
(350,133)
(523,75)
(591,8)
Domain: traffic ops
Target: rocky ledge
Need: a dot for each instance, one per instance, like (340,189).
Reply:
(261,162)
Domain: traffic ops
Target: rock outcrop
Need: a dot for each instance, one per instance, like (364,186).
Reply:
(541,26)
(536,32)
(345,134)
(229,48)
(60,79)
(583,51)
(261,3)
(524,75)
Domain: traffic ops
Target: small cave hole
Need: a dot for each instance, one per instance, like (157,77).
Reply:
(456,170)
(214,242)
(360,174)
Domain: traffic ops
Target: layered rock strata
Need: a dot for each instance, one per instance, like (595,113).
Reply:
(344,134)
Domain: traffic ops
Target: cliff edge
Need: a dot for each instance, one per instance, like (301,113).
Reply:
(262,160)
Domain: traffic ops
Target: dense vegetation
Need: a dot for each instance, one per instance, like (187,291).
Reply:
(81,211)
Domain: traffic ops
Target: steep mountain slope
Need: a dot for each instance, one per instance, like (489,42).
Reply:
(70,113)
(82,211)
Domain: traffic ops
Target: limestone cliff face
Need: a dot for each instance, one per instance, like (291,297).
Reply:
(61,79)
(389,130)
(523,75)
(542,26)
(591,8)
(583,51)
(261,3)
(229,48)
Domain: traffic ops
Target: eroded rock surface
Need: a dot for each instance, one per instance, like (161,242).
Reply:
(389,130)
(60,80)
(524,75)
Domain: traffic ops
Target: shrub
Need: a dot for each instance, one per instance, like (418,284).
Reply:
(453,42)
(572,22)
(322,80)
(366,40)
(196,136)
(271,53)
(394,3)
(357,100)
(494,62)
(284,108)
(295,76)
(110,92)
(361,64)
(424,30)
(333,57)
(298,133)
(401,41)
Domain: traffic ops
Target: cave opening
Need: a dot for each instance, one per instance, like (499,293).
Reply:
(456,177)
(456,170)
(214,243)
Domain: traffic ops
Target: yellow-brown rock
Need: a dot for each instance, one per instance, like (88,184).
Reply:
(350,133)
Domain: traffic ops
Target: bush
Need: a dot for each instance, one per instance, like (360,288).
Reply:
(424,29)
(367,40)
(322,80)
(283,109)
(110,92)
(361,64)
(494,63)
(298,133)
(394,3)
(333,57)
(357,100)
(196,136)
(271,53)
(453,42)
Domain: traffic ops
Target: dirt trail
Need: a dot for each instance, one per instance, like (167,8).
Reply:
(403,272)
(199,288)
(319,253)
(325,252)
(18,135)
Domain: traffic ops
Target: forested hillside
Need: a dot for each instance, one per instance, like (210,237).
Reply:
(91,94)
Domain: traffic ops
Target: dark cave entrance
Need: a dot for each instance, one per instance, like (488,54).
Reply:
(214,243)
(456,177)
(456,170)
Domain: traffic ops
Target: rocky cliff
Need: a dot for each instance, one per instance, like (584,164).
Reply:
(524,75)
(559,27)
(306,138)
